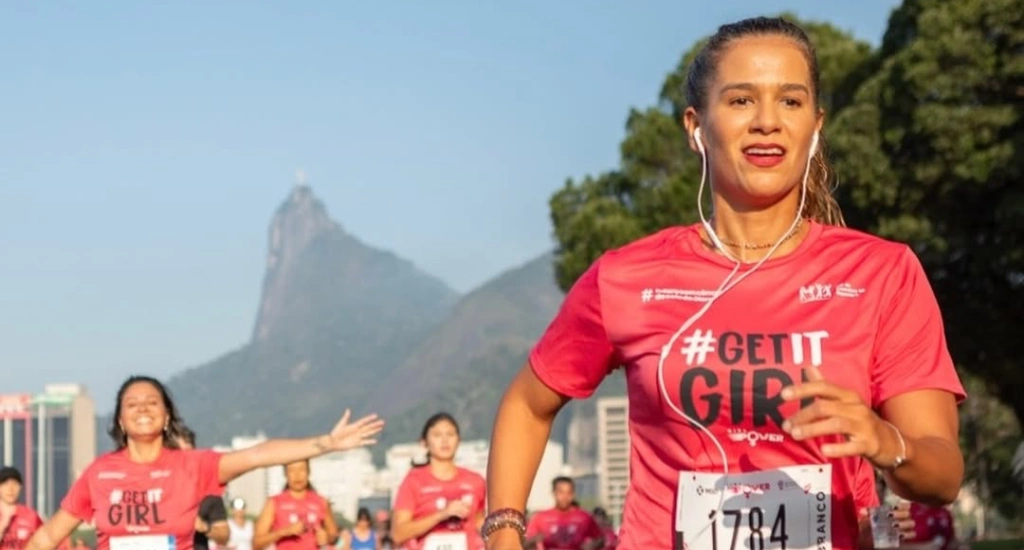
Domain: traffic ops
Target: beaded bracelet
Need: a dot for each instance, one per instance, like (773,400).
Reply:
(502,519)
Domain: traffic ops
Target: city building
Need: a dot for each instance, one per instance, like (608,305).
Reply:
(251,486)
(613,453)
(51,438)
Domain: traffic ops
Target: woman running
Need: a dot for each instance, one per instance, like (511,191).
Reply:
(439,505)
(242,528)
(774,358)
(17,521)
(296,518)
(362,535)
(145,495)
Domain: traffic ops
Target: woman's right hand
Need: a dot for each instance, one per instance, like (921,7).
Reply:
(505,539)
(457,509)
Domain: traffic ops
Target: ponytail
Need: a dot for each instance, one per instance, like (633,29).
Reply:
(821,205)
(421,463)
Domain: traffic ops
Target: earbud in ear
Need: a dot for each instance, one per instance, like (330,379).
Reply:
(696,139)
(814,144)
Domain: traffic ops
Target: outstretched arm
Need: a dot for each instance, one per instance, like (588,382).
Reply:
(57,528)
(276,452)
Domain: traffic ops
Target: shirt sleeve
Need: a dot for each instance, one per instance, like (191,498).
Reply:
(209,472)
(532,526)
(575,354)
(78,500)
(910,351)
(405,499)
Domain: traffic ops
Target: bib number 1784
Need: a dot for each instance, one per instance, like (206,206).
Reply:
(762,529)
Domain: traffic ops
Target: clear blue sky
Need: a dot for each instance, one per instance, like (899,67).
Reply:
(144,147)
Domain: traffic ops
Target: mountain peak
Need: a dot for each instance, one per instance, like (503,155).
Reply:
(300,220)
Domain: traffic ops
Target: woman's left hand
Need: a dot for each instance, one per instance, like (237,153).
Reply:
(904,521)
(836,411)
(347,436)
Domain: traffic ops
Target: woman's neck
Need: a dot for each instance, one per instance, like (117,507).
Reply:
(750,234)
(145,452)
(442,469)
(298,494)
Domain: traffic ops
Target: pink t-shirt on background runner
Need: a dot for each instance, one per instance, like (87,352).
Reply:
(309,510)
(128,500)
(563,529)
(23,524)
(422,494)
(858,307)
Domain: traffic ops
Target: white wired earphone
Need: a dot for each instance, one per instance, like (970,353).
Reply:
(726,285)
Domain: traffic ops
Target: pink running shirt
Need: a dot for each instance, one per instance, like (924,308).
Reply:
(310,510)
(563,530)
(858,307)
(128,500)
(21,528)
(423,494)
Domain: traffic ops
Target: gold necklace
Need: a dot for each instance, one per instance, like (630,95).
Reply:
(761,246)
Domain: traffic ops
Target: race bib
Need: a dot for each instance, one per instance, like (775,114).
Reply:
(446,541)
(783,509)
(143,542)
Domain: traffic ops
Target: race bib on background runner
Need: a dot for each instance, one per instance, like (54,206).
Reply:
(782,509)
(446,541)
(143,542)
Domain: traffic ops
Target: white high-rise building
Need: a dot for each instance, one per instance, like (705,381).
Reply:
(613,453)
(250,486)
(552,465)
(472,455)
(397,462)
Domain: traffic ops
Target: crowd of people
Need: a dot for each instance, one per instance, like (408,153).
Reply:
(786,363)
(157,492)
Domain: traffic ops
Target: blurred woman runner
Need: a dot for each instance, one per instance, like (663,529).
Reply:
(297,518)
(242,527)
(17,521)
(439,506)
(145,495)
(773,357)
(362,535)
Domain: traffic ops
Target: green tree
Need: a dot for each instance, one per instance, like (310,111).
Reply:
(656,184)
(928,154)
(989,435)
